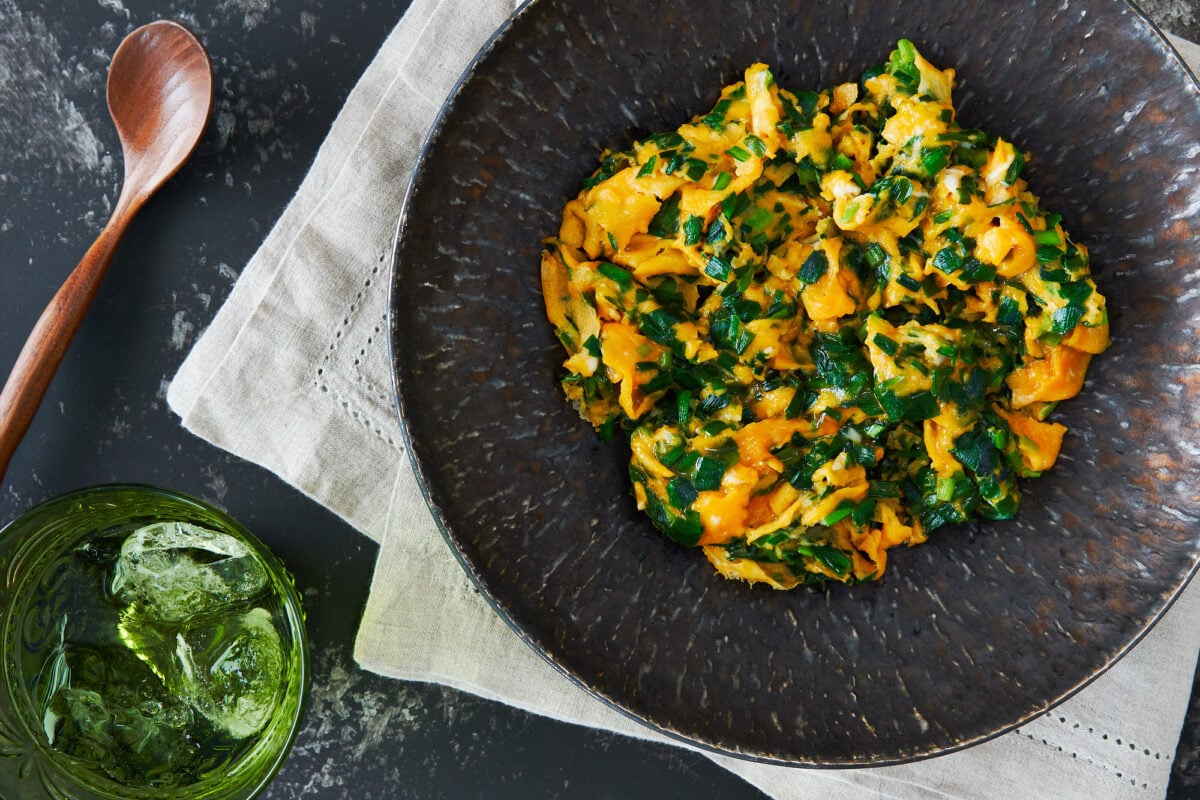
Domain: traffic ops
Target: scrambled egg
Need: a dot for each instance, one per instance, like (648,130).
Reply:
(828,322)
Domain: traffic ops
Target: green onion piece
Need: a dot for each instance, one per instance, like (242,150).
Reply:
(948,260)
(674,163)
(850,210)
(935,159)
(726,330)
(1014,169)
(717,268)
(759,220)
(843,162)
(659,326)
(756,145)
(738,153)
(975,271)
(721,181)
(1048,254)
(900,190)
(616,274)
(707,473)
(666,222)
(1008,313)
(1065,319)
(683,406)
(886,344)
(681,492)
(814,267)
(666,140)
(799,403)
(876,255)
(716,232)
(946,486)
(840,514)
(1075,292)
(648,167)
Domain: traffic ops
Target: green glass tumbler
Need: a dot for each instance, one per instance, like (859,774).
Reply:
(152,648)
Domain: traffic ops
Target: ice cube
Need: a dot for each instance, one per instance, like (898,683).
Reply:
(175,570)
(232,671)
(90,714)
(119,708)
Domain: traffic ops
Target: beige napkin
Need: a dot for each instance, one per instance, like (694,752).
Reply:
(293,374)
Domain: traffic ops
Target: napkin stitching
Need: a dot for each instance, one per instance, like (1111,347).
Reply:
(362,377)
(365,416)
(1116,741)
(1111,769)
(354,307)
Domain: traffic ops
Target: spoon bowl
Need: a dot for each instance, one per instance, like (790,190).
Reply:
(160,93)
(160,98)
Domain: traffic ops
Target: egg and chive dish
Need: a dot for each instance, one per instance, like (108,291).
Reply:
(828,323)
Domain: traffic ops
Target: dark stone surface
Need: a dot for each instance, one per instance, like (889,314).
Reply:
(283,69)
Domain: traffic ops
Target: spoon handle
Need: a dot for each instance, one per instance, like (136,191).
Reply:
(48,342)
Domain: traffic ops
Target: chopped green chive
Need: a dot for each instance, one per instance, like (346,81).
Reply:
(738,153)
(843,162)
(683,406)
(717,268)
(666,140)
(948,260)
(850,210)
(756,145)
(616,274)
(814,267)
(1014,169)
(666,222)
(886,344)
(900,190)
(935,159)
(1065,319)
(759,219)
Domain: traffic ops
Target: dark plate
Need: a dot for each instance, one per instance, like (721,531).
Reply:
(968,635)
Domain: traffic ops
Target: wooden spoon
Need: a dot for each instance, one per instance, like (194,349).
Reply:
(159,96)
